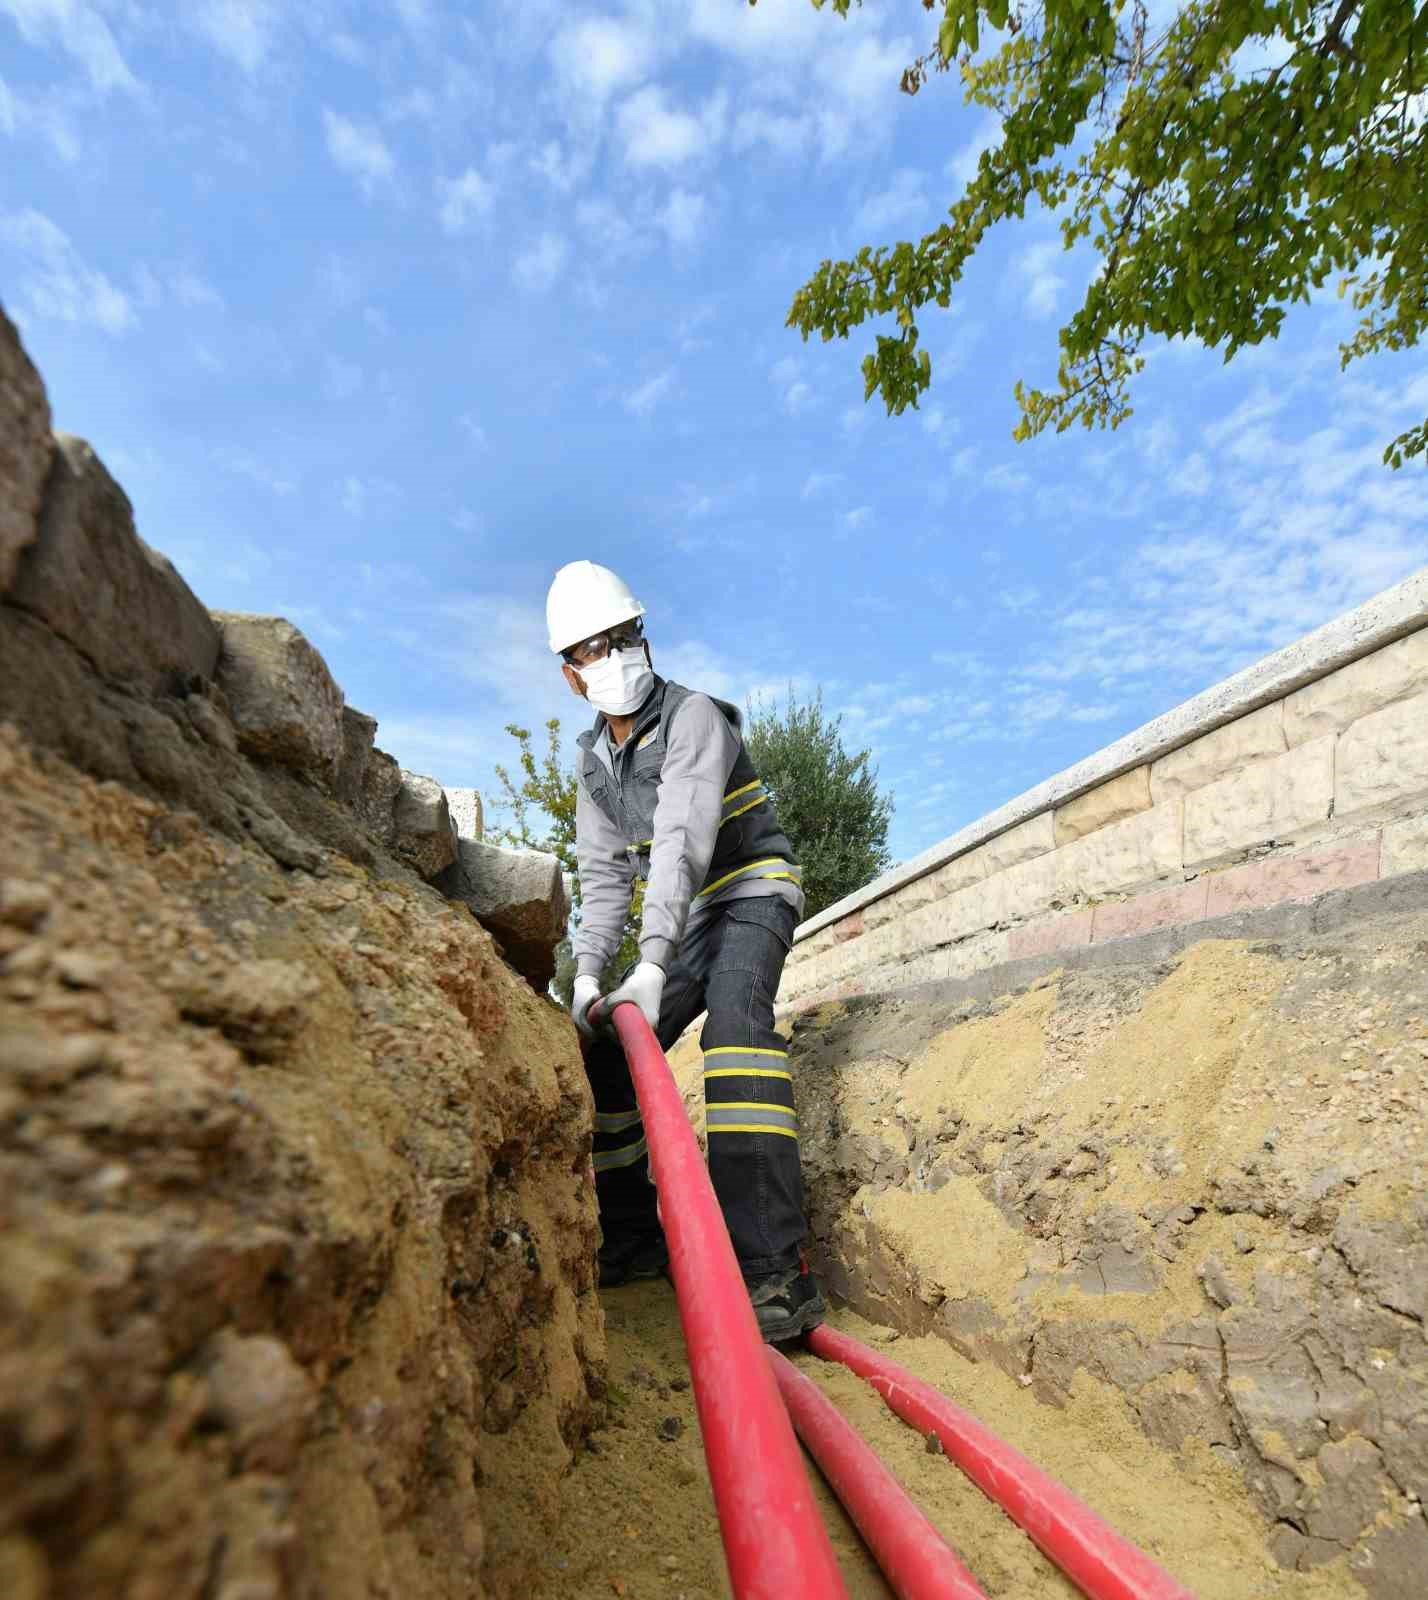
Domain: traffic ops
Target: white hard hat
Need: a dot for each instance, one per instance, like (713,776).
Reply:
(584,600)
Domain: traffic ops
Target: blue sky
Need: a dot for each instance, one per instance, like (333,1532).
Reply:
(382,311)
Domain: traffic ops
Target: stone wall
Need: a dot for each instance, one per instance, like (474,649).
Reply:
(1304,774)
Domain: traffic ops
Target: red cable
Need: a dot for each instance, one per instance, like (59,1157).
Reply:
(916,1560)
(1090,1552)
(775,1543)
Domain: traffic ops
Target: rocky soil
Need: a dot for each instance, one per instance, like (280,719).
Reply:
(296,1220)
(1201,1184)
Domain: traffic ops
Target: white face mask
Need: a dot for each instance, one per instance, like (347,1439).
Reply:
(618,684)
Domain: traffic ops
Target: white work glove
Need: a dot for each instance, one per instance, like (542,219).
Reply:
(645,986)
(587,991)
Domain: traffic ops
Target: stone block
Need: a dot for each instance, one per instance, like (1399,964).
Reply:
(1265,801)
(847,928)
(286,706)
(1397,672)
(519,897)
(1162,908)
(1107,803)
(1405,847)
(1024,890)
(1256,737)
(25,449)
(1040,938)
(425,837)
(1382,757)
(1302,876)
(1124,855)
(93,581)
(1033,837)
(467,816)
(959,873)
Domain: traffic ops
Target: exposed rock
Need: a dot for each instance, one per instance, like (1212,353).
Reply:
(424,835)
(519,895)
(285,704)
(261,1397)
(25,448)
(92,581)
(368,779)
(466,812)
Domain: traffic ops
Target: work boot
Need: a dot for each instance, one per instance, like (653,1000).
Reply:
(629,1257)
(786,1303)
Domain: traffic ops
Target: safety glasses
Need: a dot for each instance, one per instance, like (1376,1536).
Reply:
(625,636)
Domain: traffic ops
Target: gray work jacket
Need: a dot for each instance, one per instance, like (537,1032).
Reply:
(680,805)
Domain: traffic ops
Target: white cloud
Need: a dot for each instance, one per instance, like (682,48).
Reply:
(817,483)
(795,394)
(58,284)
(1036,267)
(189,289)
(988,134)
(244,464)
(598,57)
(552,163)
(464,199)
(474,431)
(650,395)
(904,198)
(682,217)
(537,267)
(359,151)
(80,31)
(658,134)
(242,30)
(858,517)
(606,224)
(9,108)
(853,421)
(1192,476)
(787,136)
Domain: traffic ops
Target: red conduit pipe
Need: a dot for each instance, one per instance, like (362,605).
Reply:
(775,1543)
(916,1560)
(1091,1553)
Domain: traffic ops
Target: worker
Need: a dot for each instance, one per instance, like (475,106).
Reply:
(666,794)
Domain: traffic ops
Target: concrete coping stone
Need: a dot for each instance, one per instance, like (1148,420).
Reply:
(1391,615)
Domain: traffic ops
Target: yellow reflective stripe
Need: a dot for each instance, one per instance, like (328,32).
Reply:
(734,794)
(615,1121)
(749,1127)
(791,878)
(758,801)
(738,872)
(746,1105)
(625,1156)
(748,1072)
(742,1050)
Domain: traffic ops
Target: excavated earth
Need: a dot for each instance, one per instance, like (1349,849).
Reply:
(1172,1215)
(295,1227)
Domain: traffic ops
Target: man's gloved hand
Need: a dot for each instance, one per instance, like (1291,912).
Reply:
(645,986)
(587,991)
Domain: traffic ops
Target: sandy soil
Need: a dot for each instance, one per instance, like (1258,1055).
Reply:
(637,1518)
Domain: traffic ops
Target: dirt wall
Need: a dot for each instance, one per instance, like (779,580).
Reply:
(297,1227)
(1197,1180)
